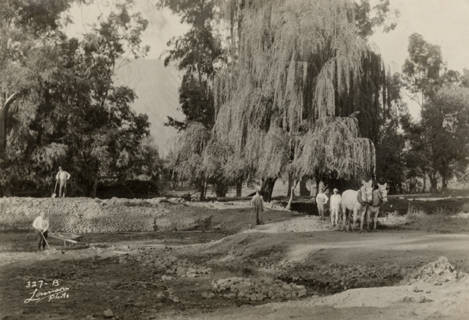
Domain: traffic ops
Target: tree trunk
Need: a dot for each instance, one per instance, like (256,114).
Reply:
(267,188)
(95,188)
(424,182)
(3,130)
(4,109)
(202,190)
(304,192)
(412,184)
(239,189)
(433,183)
(289,187)
(292,194)
(444,183)
(220,190)
(312,191)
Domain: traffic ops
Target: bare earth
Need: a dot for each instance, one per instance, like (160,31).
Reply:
(324,274)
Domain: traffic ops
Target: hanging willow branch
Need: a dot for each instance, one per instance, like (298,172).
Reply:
(334,146)
(189,153)
(276,104)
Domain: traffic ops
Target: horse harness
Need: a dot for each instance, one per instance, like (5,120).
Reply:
(379,198)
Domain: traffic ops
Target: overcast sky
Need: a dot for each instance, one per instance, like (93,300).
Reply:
(162,24)
(441,22)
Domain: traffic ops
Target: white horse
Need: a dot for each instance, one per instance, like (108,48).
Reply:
(380,196)
(350,204)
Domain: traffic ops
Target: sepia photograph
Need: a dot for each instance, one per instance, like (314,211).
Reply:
(234,159)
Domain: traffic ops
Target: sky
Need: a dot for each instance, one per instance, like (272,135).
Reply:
(162,26)
(441,22)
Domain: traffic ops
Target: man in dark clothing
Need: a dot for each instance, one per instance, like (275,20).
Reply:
(364,197)
(258,203)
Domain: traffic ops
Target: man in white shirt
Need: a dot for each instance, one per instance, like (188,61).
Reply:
(41,225)
(321,200)
(335,203)
(62,177)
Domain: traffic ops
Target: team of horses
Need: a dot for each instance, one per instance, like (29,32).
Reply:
(353,210)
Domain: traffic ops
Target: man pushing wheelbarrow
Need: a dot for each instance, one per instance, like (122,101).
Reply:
(41,226)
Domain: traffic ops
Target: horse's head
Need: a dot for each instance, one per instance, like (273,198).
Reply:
(367,190)
(383,190)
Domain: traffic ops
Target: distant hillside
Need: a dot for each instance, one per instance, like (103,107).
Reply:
(156,87)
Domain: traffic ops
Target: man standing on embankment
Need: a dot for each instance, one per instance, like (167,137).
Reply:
(62,177)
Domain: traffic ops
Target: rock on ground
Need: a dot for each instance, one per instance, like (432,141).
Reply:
(254,289)
(436,272)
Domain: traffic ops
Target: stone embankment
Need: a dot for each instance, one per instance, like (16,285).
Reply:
(87,215)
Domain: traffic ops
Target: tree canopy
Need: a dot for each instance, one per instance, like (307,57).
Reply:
(196,54)
(438,142)
(73,115)
(277,104)
(424,70)
(27,30)
(289,76)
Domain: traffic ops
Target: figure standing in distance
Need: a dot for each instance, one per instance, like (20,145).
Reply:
(335,204)
(62,177)
(364,198)
(258,203)
(321,200)
(41,225)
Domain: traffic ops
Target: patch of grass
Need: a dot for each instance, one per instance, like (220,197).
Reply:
(439,222)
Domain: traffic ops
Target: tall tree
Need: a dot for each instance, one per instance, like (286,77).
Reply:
(244,51)
(25,28)
(416,155)
(188,158)
(368,17)
(390,141)
(446,124)
(424,70)
(277,103)
(425,75)
(76,115)
(196,53)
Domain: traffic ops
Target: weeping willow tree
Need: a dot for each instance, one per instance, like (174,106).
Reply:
(278,101)
(202,160)
(188,158)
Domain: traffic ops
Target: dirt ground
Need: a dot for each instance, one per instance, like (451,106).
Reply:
(293,267)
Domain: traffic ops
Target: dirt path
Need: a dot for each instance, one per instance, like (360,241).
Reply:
(385,242)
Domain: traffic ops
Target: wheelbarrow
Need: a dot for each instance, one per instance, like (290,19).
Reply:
(70,240)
